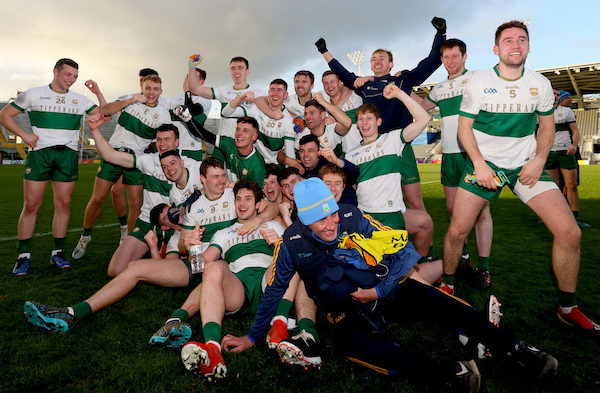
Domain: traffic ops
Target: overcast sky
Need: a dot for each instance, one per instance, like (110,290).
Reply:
(111,40)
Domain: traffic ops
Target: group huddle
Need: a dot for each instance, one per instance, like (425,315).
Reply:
(308,201)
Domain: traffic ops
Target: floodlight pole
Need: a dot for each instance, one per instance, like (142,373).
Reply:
(356,58)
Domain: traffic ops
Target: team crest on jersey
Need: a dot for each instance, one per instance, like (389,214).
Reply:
(155,116)
(533,91)
(378,145)
(244,171)
(390,203)
(212,209)
(74,101)
(99,169)
(27,170)
(136,229)
(464,81)
(278,125)
(225,204)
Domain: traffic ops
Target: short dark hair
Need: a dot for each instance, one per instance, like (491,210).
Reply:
(240,59)
(287,172)
(65,61)
(249,185)
(307,73)
(144,72)
(329,72)
(210,162)
(508,25)
(309,138)
(279,81)
(168,127)
(155,214)
(316,104)
(248,120)
(368,108)
(451,43)
(387,52)
(202,73)
(272,169)
(169,153)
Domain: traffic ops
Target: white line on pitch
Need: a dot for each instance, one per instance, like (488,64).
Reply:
(3,239)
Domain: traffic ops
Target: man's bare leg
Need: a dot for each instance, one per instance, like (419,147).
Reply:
(128,251)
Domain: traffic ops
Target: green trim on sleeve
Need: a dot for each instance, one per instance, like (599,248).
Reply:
(17,107)
(551,111)
(212,91)
(94,106)
(465,114)
(432,101)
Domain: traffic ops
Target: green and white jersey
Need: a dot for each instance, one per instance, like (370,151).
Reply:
(179,195)
(55,118)
(273,134)
(212,215)
(224,94)
(379,183)
(563,118)
(350,105)
(137,124)
(505,114)
(244,251)
(156,186)
(447,95)
(252,167)
(164,102)
(330,137)
(186,140)
(352,139)
(293,105)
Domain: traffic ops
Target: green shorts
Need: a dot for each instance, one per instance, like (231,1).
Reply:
(394,220)
(524,193)
(111,172)
(140,229)
(453,166)
(408,166)
(251,279)
(560,159)
(56,163)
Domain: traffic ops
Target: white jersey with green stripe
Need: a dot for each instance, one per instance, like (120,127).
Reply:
(212,215)
(179,195)
(353,102)
(330,136)
(273,134)
(245,251)
(293,105)
(137,124)
(563,118)
(505,114)
(224,94)
(156,185)
(186,140)
(379,183)
(352,139)
(447,95)
(55,118)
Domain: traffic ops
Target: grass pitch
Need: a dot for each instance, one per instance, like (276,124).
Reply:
(108,351)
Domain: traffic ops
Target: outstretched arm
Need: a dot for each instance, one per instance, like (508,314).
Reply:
(106,151)
(116,106)
(420,116)
(344,122)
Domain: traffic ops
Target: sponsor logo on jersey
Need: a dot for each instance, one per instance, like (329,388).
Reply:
(490,90)
(28,170)
(295,237)
(212,209)
(136,229)
(305,254)
(244,171)
(41,98)
(349,214)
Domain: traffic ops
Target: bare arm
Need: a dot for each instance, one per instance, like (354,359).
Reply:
(531,171)
(7,115)
(420,116)
(116,106)
(576,136)
(106,151)
(424,102)
(152,242)
(95,89)
(343,120)
(232,109)
(196,86)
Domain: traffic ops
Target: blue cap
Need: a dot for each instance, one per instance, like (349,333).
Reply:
(314,200)
(562,94)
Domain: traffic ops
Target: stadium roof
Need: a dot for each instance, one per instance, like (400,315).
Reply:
(577,79)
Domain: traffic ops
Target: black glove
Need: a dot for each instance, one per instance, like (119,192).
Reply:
(439,24)
(187,205)
(321,46)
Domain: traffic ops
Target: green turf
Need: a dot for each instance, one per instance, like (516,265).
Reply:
(108,351)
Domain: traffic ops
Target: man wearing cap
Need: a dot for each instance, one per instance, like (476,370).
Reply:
(562,158)
(358,297)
